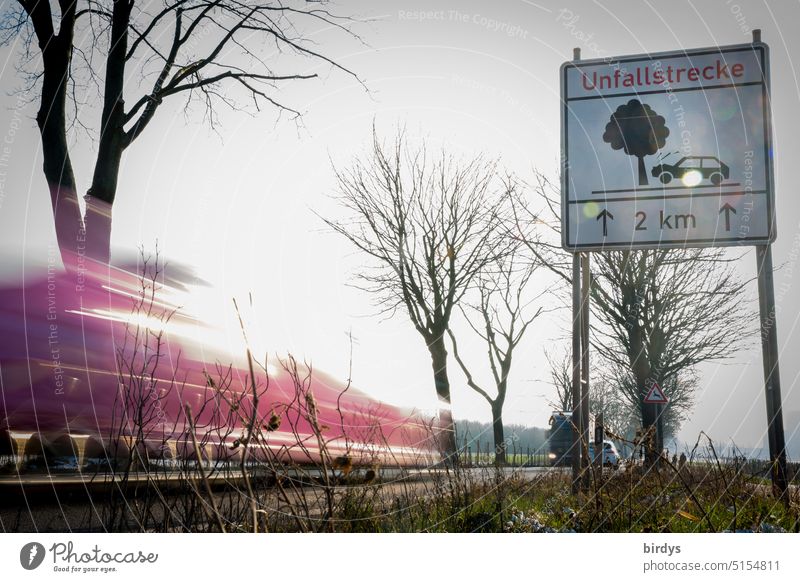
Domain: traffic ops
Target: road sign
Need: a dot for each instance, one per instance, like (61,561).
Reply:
(667,150)
(656,395)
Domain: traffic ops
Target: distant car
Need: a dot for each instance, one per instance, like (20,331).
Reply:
(709,167)
(610,454)
(560,437)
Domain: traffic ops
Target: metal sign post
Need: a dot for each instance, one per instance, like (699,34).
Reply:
(579,422)
(575,450)
(769,353)
(586,282)
(772,378)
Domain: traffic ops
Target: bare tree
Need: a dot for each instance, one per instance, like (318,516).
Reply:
(561,377)
(429,225)
(502,315)
(609,395)
(681,388)
(620,418)
(657,314)
(195,49)
(664,312)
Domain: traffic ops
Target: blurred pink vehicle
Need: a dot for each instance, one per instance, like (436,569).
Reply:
(67,338)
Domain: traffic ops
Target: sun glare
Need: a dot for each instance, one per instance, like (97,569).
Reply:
(692,178)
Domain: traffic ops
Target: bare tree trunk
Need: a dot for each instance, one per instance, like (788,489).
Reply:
(447,438)
(499,435)
(641,370)
(51,119)
(98,229)
(77,235)
(113,139)
(223,27)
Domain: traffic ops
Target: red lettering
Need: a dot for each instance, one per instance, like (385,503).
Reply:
(644,76)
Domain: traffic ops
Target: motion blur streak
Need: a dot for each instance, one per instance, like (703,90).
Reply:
(63,350)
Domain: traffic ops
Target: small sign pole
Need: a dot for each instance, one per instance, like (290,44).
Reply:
(660,429)
(599,442)
(658,400)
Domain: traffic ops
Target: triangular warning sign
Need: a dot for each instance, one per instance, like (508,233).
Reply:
(656,396)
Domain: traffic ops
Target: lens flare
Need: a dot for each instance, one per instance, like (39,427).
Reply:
(590,209)
(692,178)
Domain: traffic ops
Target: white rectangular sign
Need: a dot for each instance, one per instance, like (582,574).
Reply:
(667,150)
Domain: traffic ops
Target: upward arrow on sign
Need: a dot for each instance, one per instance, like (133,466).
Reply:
(727,209)
(605,215)
(656,395)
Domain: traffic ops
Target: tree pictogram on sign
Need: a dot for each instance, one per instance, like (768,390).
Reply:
(656,395)
(637,130)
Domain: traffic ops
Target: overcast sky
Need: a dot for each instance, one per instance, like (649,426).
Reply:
(239,205)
